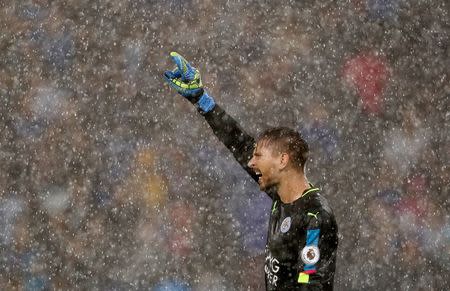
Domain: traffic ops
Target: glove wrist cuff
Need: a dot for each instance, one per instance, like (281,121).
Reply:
(205,103)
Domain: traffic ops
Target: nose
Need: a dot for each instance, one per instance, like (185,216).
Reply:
(251,163)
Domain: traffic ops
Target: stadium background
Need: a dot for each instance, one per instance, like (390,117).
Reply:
(109,181)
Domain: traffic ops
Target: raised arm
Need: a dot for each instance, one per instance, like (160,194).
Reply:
(186,80)
(232,136)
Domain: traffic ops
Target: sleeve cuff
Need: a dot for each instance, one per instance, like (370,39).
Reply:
(206,103)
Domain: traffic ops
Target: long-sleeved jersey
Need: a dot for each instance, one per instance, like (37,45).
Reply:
(302,237)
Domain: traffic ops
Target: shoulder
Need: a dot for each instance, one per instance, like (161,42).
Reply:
(319,202)
(318,208)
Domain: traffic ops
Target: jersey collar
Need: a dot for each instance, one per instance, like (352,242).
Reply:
(309,190)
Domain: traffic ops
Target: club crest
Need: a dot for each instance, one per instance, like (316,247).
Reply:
(285,225)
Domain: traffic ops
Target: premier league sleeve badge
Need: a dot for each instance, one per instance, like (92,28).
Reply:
(310,255)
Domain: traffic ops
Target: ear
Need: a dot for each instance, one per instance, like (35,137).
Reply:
(284,160)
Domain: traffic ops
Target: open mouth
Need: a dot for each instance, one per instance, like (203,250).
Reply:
(259,175)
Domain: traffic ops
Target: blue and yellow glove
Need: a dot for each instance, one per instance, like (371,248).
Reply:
(186,80)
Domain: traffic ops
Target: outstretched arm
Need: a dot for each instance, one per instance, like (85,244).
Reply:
(186,80)
(233,137)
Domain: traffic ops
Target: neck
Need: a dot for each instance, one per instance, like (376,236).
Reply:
(292,186)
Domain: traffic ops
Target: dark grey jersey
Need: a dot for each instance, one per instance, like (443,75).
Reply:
(302,237)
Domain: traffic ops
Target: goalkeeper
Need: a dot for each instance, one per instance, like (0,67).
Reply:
(302,239)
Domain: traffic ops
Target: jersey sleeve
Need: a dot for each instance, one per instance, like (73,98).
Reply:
(232,136)
(315,250)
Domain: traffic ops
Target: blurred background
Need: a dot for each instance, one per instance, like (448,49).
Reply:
(110,181)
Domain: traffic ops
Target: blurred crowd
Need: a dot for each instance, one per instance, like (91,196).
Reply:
(109,181)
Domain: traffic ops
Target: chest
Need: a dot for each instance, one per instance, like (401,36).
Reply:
(286,229)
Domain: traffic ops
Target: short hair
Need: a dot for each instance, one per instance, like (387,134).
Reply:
(284,139)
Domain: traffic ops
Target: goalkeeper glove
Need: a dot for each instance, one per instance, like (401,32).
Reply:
(186,80)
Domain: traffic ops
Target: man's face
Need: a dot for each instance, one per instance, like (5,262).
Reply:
(266,164)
